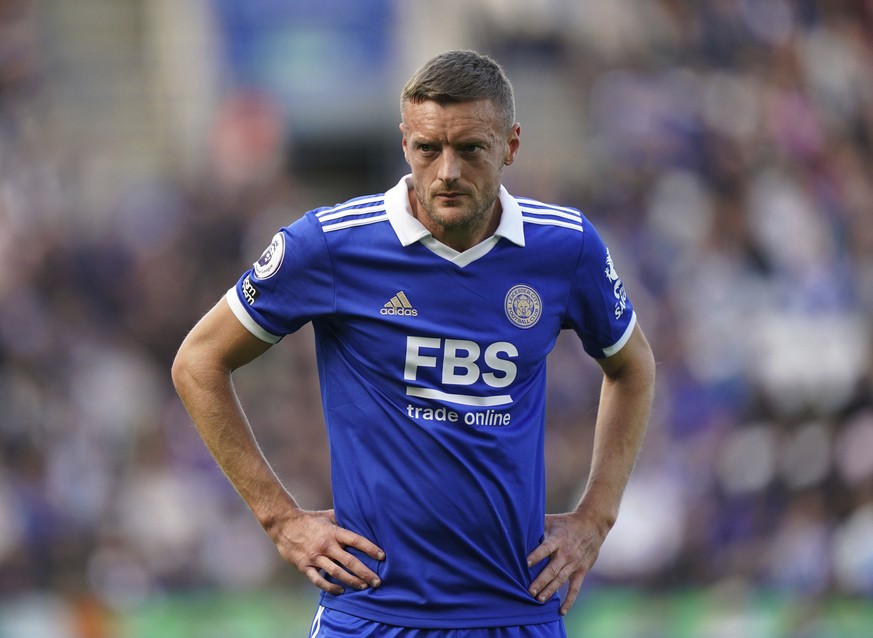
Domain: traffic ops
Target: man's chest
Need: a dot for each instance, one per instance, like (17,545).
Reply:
(471,332)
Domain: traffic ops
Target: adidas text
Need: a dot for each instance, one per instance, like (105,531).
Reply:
(408,312)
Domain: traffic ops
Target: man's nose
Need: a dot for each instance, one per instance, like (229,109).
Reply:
(450,167)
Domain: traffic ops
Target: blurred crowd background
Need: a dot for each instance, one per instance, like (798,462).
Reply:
(149,149)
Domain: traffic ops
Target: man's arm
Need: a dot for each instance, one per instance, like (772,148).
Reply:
(312,541)
(573,540)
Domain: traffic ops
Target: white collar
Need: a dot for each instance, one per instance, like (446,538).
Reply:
(409,230)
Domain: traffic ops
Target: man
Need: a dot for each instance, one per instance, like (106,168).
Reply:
(434,307)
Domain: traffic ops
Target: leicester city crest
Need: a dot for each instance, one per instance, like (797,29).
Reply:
(523,306)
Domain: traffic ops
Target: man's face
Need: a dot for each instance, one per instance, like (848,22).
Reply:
(457,153)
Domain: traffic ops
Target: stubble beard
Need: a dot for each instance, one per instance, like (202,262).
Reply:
(472,221)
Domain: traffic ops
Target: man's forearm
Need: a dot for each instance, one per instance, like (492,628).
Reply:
(208,394)
(311,541)
(623,414)
(572,540)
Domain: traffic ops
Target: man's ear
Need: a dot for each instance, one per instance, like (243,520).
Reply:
(403,142)
(512,144)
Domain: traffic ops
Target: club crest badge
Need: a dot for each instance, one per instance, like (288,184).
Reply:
(523,306)
(272,258)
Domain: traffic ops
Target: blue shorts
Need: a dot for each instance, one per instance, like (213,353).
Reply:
(329,623)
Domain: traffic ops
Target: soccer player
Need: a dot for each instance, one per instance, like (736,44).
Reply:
(434,306)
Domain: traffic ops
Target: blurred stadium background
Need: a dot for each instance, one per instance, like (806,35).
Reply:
(150,148)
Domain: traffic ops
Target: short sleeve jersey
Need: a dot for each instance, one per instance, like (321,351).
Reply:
(432,366)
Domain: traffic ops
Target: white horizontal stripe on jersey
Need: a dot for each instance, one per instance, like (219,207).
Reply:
(576,217)
(461,399)
(349,212)
(351,205)
(524,202)
(546,221)
(355,222)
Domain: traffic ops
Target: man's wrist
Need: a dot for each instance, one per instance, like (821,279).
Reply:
(599,512)
(277,514)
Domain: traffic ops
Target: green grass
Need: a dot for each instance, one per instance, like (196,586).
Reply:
(599,613)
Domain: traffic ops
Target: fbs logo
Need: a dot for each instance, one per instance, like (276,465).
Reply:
(399,305)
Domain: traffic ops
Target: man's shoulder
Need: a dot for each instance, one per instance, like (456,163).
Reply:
(552,223)
(353,213)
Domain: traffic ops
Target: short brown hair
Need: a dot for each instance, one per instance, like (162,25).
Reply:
(461,76)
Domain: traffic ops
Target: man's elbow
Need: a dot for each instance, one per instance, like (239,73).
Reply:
(648,366)
(180,371)
(192,367)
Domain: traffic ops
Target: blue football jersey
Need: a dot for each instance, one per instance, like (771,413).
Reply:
(432,366)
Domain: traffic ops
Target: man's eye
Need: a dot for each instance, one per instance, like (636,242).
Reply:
(470,148)
(425,148)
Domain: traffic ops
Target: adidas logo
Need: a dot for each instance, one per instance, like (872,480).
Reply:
(399,305)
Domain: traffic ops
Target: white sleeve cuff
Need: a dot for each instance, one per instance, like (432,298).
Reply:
(618,345)
(245,318)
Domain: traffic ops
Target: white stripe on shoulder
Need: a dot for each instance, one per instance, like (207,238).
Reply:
(576,217)
(536,212)
(548,221)
(355,222)
(527,203)
(352,205)
(349,212)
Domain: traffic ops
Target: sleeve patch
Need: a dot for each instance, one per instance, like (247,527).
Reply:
(617,287)
(271,260)
(249,291)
